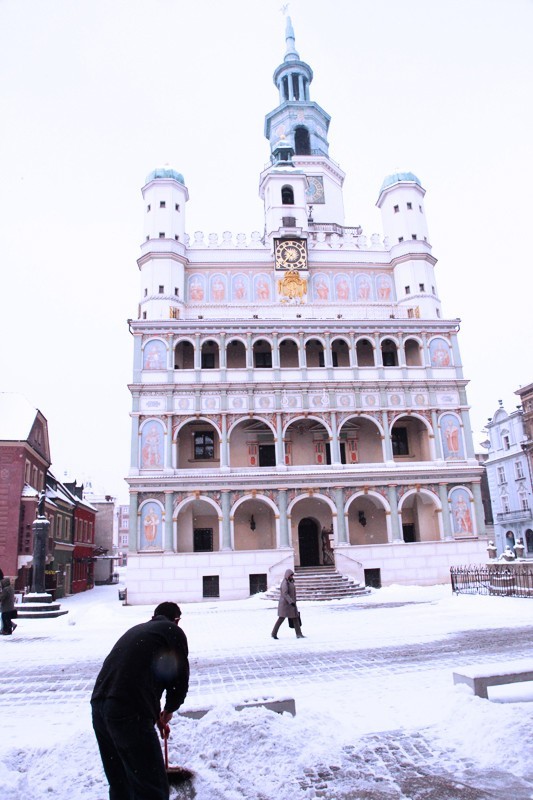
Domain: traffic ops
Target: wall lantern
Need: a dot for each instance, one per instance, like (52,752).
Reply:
(252,523)
(362,518)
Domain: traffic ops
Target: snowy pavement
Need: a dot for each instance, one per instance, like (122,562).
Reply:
(377,713)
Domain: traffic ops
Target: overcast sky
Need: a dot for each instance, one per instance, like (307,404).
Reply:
(95,94)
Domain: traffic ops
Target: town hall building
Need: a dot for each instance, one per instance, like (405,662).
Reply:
(298,398)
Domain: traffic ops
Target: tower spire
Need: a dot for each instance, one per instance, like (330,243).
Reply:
(291,54)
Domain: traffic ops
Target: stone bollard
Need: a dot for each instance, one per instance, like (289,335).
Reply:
(491,550)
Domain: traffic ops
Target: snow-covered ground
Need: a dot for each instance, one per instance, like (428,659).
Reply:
(47,746)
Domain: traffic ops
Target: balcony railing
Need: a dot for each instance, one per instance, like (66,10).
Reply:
(514,516)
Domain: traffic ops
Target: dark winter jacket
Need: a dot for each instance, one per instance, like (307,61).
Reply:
(287,598)
(7,596)
(146,661)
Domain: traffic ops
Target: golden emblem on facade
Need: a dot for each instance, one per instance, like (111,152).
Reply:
(292,287)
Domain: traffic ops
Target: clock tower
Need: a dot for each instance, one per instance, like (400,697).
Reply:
(302,184)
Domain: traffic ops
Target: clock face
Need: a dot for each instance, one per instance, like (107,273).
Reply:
(291,254)
(315,189)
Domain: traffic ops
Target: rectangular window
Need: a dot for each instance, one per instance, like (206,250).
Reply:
(396,209)
(176,291)
(148,207)
(400,238)
(421,287)
(524,503)
(400,442)
(161,289)
(414,236)
(176,206)
(407,290)
(501,475)
(258,583)
(162,204)
(203,540)
(204,445)
(263,360)
(161,234)
(210,586)
(506,442)
(59,527)
(519,470)
(409,206)
(505,505)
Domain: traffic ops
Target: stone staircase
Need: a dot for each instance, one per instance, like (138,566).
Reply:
(321,583)
(39,606)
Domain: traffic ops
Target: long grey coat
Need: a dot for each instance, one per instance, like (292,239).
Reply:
(287,597)
(7,596)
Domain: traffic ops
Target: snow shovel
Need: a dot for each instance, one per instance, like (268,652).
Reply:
(175,775)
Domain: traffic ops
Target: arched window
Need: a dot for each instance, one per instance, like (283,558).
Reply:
(302,144)
(287,196)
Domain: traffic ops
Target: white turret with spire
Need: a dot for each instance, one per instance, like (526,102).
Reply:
(300,165)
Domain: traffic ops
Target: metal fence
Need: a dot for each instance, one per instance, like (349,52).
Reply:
(496,579)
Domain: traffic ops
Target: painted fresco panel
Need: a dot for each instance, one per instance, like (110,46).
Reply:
(439,351)
(152,445)
(460,506)
(451,436)
(151,533)
(155,355)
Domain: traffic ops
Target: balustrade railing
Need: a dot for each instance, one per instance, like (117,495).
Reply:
(502,580)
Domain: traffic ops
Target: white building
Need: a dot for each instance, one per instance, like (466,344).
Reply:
(298,397)
(509,480)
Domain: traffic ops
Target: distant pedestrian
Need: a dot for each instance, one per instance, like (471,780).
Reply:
(7,606)
(149,659)
(287,608)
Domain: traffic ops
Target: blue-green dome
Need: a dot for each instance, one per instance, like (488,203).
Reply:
(165,172)
(399,177)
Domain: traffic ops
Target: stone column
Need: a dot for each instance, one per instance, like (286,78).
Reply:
(168,544)
(134,463)
(397,533)
(436,430)
(133,544)
(226,520)
(443,495)
(341,526)
(478,506)
(284,540)
(224,443)
(168,463)
(387,437)
(335,449)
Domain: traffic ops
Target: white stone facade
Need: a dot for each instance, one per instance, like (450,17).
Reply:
(298,397)
(509,478)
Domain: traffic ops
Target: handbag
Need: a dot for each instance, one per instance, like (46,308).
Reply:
(13,614)
(291,621)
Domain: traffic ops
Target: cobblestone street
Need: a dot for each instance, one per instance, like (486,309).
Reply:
(390,765)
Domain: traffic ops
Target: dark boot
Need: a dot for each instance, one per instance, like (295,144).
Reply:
(276,627)
(297,629)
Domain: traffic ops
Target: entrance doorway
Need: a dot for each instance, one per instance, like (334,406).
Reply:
(267,455)
(308,543)
(409,532)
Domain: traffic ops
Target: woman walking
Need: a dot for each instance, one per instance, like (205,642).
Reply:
(287,608)
(7,606)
